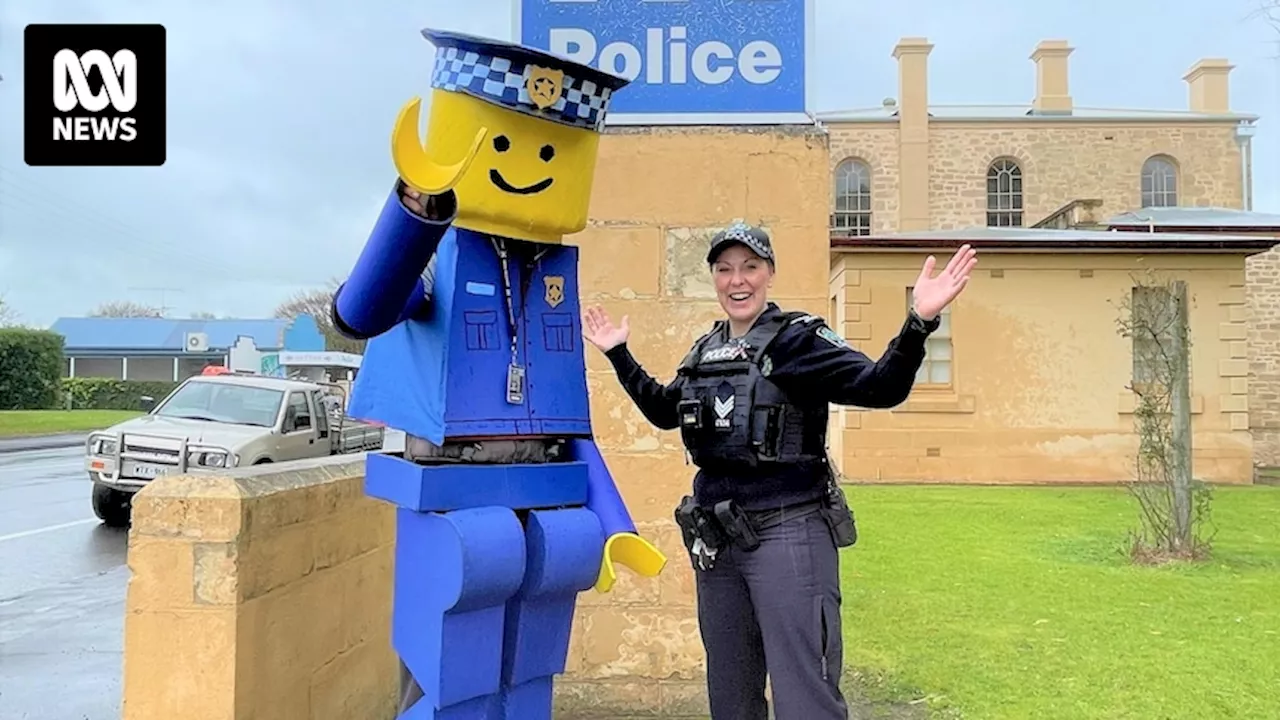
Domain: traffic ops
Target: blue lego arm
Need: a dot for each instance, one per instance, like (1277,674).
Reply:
(623,545)
(385,286)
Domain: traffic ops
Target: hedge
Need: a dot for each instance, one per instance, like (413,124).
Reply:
(30,368)
(91,393)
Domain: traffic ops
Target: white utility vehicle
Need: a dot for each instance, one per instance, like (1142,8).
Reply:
(213,422)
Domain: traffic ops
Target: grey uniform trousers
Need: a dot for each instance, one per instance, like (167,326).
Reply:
(775,610)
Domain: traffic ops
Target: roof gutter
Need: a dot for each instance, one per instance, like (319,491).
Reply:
(1119,245)
(1201,229)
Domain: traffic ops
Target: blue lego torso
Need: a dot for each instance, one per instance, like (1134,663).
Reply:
(444,374)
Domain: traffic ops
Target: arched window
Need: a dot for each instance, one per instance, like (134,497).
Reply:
(1004,194)
(1159,182)
(853,198)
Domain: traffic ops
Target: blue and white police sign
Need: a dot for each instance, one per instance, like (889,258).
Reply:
(690,61)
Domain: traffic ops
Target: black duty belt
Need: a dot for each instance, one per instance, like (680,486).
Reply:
(765,519)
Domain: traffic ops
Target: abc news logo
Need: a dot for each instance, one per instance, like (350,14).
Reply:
(71,91)
(107,105)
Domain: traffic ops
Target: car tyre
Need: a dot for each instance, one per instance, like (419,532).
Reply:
(111,506)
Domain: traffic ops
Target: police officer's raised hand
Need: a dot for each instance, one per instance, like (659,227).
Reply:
(932,294)
(600,331)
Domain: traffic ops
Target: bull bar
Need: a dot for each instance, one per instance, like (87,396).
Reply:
(148,449)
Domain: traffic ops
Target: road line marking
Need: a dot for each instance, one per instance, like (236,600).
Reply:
(51,528)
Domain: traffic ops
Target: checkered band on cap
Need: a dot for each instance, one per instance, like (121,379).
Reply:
(747,235)
(504,81)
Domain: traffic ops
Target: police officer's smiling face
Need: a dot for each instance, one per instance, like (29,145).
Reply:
(742,280)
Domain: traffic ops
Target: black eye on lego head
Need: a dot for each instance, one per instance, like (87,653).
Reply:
(501,144)
(547,153)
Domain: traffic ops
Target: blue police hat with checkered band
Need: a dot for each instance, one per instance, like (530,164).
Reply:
(754,238)
(502,73)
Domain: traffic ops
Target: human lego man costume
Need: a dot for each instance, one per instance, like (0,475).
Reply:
(506,510)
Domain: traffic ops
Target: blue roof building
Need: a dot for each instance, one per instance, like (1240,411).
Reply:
(169,349)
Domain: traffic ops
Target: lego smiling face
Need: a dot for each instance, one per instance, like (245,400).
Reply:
(532,177)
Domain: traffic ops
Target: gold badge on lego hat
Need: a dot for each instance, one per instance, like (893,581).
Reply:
(544,86)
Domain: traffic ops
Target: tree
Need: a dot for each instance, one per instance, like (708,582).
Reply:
(126,309)
(317,304)
(1173,506)
(8,316)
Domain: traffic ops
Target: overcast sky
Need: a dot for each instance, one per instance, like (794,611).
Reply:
(280,112)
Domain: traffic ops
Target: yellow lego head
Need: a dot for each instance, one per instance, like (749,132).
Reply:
(513,131)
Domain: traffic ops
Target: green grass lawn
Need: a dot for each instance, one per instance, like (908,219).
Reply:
(1019,603)
(18,423)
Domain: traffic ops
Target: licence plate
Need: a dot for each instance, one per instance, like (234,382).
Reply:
(144,470)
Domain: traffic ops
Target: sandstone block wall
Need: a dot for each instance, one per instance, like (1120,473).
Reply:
(263,596)
(1039,373)
(1060,162)
(1263,273)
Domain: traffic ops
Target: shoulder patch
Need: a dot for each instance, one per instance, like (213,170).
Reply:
(830,336)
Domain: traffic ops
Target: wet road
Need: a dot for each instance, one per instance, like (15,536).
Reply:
(62,587)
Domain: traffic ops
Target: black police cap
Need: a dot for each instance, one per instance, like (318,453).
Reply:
(754,238)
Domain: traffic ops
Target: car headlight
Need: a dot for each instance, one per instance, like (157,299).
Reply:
(105,447)
(207,459)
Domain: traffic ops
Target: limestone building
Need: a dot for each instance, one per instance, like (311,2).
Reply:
(1027,380)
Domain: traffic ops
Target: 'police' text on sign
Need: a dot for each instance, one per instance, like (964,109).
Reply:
(688,60)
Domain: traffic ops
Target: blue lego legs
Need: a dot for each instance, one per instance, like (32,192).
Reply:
(563,558)
(454,573)
(484,606)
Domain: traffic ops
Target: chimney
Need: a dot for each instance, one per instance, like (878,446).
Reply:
(1053,94)
(1207,86)
(912,54)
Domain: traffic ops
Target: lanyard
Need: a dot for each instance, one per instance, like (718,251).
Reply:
(515,372)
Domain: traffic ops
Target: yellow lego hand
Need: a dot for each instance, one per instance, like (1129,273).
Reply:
(633,551)
(412,163)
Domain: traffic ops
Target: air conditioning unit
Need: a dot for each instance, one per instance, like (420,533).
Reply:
(196,342)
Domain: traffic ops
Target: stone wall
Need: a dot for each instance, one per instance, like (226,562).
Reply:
(1065,162)
(1037,391)
(1263,272)
(1060,162)
(266,595)
(659,195)
(877,146)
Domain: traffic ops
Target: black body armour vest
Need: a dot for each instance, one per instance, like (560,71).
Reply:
(732,417)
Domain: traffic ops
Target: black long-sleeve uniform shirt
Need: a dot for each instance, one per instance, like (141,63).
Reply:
(811,364)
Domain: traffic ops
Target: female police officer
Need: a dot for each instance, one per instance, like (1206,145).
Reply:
(750,401)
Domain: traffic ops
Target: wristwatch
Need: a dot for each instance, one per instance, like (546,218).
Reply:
(920,324)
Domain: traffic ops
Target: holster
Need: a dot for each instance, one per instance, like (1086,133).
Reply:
(837,513)
(700,532)
(736,525)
